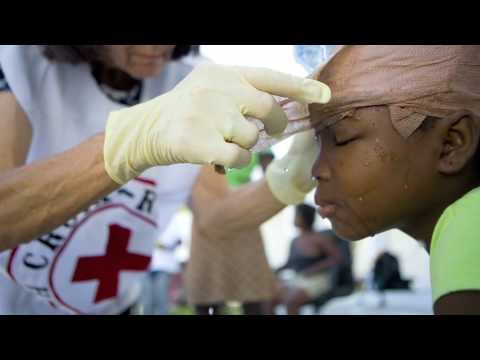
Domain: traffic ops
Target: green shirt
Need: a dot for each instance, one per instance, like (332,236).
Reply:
(455,247)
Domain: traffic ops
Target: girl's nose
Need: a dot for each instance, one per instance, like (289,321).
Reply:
(321,169)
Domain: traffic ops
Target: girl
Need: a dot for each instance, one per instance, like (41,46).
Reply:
(400,150)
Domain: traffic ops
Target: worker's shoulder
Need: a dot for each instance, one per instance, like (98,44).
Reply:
(20,54)
(24,69)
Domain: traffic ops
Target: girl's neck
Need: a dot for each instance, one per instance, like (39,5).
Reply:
(423,225)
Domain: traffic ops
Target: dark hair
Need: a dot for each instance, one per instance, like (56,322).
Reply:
(428,123)
(75,54)
(307,213)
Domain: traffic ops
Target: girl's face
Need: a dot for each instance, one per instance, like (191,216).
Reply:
(370,179)
(139,61)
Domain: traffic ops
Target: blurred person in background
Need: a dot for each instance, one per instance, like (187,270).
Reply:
(312,257)
(234,268)
(178,293)
(342,279)
(155,298)
(386,273)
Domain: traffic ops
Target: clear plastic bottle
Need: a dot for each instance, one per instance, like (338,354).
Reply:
(298,120)
(310,57)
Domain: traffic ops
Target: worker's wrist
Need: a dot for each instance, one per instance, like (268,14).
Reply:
(119,149)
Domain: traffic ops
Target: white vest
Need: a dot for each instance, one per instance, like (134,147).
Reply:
(92,264)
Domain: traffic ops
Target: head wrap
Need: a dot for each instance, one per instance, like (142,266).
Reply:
(414,82)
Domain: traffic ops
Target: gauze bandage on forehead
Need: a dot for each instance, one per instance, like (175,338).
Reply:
(412,81)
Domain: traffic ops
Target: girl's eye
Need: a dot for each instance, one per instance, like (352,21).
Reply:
(344,142)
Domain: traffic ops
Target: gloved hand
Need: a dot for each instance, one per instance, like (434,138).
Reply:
(201,121)
(290,178)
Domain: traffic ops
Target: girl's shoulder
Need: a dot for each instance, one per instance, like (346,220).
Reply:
(455,247)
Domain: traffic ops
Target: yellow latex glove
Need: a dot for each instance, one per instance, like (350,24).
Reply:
(290,178)
(201,121)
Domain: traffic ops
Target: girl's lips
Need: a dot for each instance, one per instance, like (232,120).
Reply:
(327,210)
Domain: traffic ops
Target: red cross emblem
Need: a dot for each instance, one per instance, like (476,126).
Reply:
(106,268)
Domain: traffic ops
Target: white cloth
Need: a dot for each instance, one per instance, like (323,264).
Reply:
(164,260)
(94,263)
(391,302)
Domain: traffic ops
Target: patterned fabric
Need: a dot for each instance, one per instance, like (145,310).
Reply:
(227,269)
(128,97)
(234,269)
(125,97)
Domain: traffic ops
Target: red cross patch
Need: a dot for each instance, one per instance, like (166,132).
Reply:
(106,268)
(97,271)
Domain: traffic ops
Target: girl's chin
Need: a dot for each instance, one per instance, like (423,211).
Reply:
(347,232)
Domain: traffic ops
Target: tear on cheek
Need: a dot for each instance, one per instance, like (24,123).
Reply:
(381,152)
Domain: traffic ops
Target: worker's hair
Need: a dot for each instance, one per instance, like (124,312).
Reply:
(75,54)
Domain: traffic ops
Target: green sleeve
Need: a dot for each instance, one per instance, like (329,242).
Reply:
(239,177)
(455,248)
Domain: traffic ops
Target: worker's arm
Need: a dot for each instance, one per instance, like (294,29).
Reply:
(219,216)
(200,121)
(41,196)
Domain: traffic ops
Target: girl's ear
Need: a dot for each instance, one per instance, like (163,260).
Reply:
(459,141)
